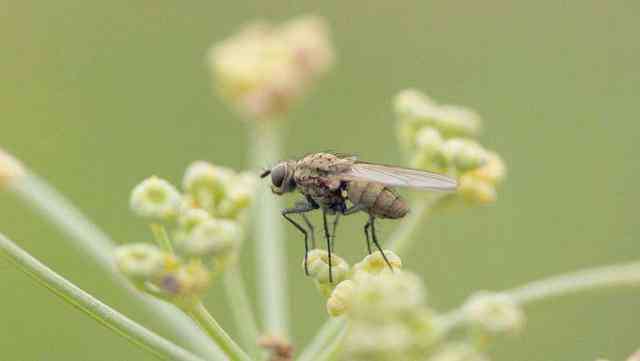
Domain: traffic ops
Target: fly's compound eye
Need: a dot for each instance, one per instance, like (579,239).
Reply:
(278,174)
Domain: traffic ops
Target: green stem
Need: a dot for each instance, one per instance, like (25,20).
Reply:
(103,314)
(86,236)
(161,237)
(555,286)
(209,324)
(242,311)
(269,235)
(326,339)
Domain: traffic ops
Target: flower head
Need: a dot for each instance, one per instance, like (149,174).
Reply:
(212,237)
(264,68)
(139,261)
(318,266)
(494,312)
(440,139)
(155,198)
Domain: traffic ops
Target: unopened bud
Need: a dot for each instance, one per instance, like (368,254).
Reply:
(206,183)
(155,198)
(139,261)
(318,266)
(213,237)
(375,262)
(340,299)
(494,312)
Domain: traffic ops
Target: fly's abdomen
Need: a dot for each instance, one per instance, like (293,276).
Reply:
(377,199)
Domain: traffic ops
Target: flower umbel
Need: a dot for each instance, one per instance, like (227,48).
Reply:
(263,69)
(440,138)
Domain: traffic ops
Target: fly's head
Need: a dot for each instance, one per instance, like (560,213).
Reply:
(282,180)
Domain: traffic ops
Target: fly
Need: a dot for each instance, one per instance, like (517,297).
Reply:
(342,185)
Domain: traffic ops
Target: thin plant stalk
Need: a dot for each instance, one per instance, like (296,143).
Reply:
(86,236)
(242,311)
(269,235)
(94,308)
(209,324)
(585,280)
(326,338)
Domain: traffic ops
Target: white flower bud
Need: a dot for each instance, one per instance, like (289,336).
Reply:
(239,196)
(318,265)
(494,312)
(139,261)
(340,299)
(374,263)
(10,169)
(458,121)
(155,198)
(476,190)
(191,218)
(386,295)
(206,183)
(464,154)
(214,237)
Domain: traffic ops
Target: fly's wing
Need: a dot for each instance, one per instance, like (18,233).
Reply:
(393,176)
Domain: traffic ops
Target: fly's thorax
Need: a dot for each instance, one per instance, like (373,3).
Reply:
(377,199)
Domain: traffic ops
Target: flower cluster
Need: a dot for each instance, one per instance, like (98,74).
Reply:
(264,68)
(386,309)
(10,169)
(441,138)
(206,230)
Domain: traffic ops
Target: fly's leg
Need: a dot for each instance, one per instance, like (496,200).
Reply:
(300,208)
(366,235)
(375,240)
(311,229)
(327,236)
(333,231)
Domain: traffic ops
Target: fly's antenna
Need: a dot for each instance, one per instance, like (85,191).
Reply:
(265,173)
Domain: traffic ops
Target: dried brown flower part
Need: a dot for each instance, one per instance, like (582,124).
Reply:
(279,348)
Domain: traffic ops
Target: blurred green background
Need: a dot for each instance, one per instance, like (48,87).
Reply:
(98,95)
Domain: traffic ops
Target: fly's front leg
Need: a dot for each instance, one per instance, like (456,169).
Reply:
(375,240)
(311,229)
(301,208)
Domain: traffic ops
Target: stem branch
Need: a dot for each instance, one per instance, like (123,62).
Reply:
(86,236)
(103,314)
(209,324)
(585,280)
(269,235)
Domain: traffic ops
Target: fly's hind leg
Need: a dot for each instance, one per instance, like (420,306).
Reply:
(301,208)
(366,235)
(372,220)
(327,236)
